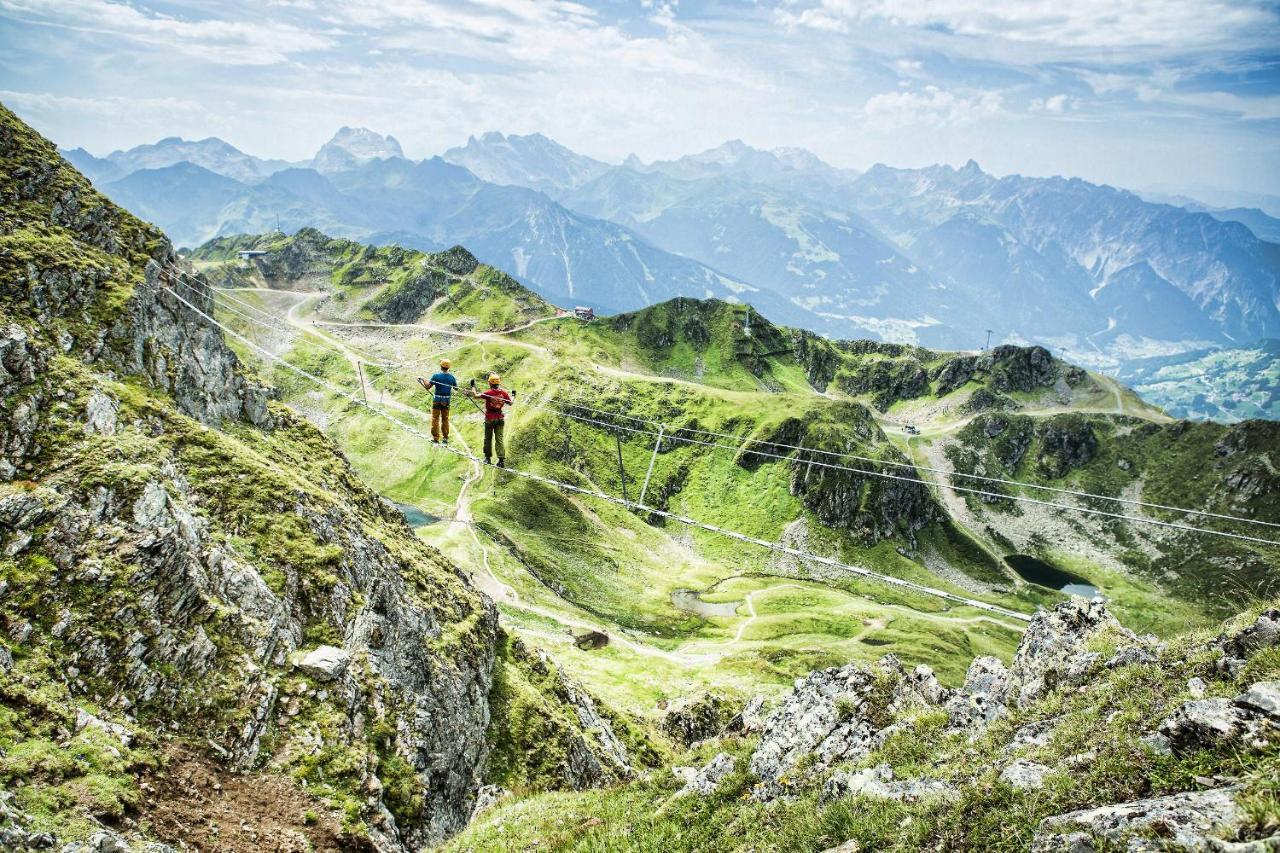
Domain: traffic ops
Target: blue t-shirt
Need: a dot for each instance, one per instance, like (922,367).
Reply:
(443,385)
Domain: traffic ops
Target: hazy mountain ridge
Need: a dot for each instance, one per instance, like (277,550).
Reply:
(532,161)
(935,255)
(431,205)
(1034,262)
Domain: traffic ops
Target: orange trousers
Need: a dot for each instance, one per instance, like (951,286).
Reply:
(439,422)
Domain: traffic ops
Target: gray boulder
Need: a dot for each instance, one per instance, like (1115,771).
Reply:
(982,698)
(326,663)
(751,718)
(823,720)
(1185,821)
(1203,723)
(878,783)
(1251,718)
(1052,651)
(1024,775)
(1262,698)
(1264,633)
(705,781)
(693,719)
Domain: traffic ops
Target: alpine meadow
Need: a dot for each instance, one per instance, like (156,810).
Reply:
(901,474)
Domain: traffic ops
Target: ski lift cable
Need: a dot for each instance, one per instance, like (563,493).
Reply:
(675,431)
(1021,498)
(628,504)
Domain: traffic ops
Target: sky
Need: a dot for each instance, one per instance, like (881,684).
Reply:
(1136,93)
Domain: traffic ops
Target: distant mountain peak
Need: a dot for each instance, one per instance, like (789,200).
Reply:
(530,160)
(633,162)
(352,147)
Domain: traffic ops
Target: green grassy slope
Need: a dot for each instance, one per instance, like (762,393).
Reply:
(562,563)
(1094,731)
(380,283)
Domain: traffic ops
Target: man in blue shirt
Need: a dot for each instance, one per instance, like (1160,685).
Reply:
(441,386)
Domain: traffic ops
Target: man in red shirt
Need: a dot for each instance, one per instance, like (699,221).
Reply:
(495,399)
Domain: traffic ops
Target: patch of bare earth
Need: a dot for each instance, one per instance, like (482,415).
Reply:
(194,803)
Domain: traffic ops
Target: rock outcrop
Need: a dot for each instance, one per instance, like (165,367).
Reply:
(1251,719)
(696,718)
(1178,822)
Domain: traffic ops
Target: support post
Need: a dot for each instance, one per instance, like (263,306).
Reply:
(622,472)
(652,458)
(360,370)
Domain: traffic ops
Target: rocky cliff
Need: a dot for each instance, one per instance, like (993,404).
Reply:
(192,577)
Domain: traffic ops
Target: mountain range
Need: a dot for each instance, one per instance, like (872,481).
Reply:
(935,255)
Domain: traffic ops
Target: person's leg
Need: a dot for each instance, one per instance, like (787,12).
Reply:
(435,423)
(488,439)
(499,428)
(444,423)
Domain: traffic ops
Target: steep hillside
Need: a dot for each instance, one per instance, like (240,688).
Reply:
(214,633)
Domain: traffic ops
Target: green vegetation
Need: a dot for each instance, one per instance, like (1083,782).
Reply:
(536,738)
(1163,463)
(1226,385)
(1095,732)
(385,283)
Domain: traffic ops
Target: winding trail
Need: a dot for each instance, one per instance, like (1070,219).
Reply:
(488,580)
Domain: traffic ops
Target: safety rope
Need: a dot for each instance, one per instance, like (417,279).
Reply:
(628,504)
(675,435)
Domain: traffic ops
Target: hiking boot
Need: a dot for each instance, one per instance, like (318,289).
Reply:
(502,463)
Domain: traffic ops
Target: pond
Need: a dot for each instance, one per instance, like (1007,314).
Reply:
(416,517)
(689,601)
(1037,571)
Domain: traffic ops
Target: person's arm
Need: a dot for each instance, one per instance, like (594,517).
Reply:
(426,383)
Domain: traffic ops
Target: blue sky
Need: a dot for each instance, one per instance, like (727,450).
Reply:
(1130,92)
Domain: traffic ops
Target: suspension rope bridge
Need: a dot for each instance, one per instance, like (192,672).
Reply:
(675,435)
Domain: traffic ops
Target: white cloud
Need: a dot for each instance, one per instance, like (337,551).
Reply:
(233,42)
(1166,25)
(1053,104)
(932,107)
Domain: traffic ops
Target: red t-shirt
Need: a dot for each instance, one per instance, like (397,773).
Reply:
(494,400)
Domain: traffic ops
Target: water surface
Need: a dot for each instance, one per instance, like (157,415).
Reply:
(1037,571)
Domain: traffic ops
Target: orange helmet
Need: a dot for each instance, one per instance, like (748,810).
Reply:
(494,379)
(445,364)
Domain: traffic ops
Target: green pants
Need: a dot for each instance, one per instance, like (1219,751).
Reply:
(493,431)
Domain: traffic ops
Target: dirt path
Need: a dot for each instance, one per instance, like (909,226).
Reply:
(192,802)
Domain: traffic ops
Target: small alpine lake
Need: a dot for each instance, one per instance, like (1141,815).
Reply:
(1037,571)
(415,517)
